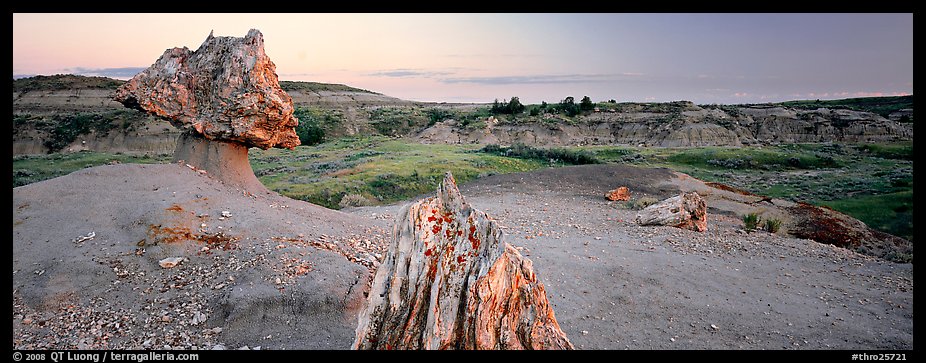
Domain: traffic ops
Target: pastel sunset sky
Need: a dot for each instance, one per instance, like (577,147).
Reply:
(705,58)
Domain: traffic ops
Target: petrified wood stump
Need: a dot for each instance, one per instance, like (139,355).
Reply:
(448,281)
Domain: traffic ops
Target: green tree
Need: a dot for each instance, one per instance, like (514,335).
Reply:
(569,106)
(496,107)
(586,104)
(514,106)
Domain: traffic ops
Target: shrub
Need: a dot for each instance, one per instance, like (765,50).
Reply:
(310,129)
(65,129)
(644,202)
(309,132)
(353,200)
(436,115)
(772,225)
(751,221)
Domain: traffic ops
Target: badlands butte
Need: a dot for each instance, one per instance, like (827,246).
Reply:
(259,270)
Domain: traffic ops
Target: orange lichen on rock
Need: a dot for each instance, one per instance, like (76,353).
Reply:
(455,290)
(620,194)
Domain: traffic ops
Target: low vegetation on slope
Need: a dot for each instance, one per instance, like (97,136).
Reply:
(373,170)
(60,82)
(883,106)
(872,182)
(61,129)
(319,87)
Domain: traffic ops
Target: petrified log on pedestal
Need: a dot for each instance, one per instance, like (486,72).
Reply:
(225,96)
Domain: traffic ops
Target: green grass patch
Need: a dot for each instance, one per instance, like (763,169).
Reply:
(32,169)
(903,151)
(380,169)
(750,158)
(553,155)
(891,212)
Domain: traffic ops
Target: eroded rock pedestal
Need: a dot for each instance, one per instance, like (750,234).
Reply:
(448,281)
(225,96)
(226,161)
(686,210)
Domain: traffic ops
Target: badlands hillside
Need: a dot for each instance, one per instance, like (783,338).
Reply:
(72,113)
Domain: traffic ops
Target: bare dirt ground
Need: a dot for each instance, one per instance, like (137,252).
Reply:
(617,285)
(284,274)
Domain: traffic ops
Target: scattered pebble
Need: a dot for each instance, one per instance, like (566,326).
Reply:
(170,262)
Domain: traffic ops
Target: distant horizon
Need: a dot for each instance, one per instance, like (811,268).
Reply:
(476,58)
(577,97)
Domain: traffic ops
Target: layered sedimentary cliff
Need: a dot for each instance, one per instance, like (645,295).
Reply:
(684,126)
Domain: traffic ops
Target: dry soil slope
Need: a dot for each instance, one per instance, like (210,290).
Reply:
(255,275)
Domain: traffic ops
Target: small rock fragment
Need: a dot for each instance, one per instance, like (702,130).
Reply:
(87,237)
(170,262)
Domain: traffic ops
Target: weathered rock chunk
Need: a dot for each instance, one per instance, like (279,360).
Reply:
(686,210)
(619,194)
(448,281)
(226,90)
